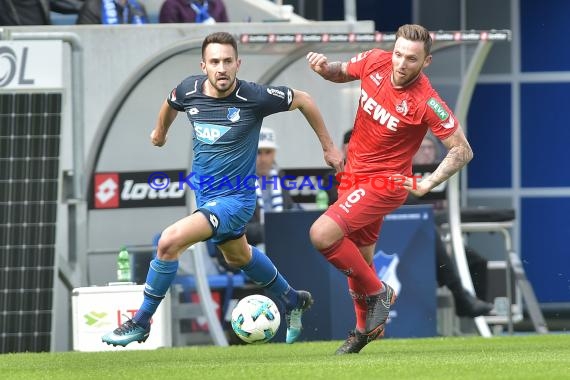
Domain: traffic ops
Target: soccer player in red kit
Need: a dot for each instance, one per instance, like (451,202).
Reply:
(397,106)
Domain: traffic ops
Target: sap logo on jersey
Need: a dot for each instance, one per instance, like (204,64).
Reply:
(209,133)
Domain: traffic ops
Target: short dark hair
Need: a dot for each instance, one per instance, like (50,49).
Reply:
(415,32)
(223,38)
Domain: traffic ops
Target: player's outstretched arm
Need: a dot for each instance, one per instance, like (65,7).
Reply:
(458,155)
(333,71)
(166,116)
(304,102)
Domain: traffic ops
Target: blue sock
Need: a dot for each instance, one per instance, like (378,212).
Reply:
(160,276)
(262,271)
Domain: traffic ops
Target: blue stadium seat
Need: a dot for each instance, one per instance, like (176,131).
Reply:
(61,19)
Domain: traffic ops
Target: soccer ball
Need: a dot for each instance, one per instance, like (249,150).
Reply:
(255,319)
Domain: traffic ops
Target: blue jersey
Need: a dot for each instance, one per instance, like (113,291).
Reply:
(225,133)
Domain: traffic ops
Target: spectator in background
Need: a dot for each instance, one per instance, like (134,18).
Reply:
(66,6)
(112,12)
(466,305)
(28,12)
(34,12)
(270,195)
(428,153)
(196,11)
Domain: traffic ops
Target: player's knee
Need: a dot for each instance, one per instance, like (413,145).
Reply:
(319,237)
(168,246)
(236,260)
(236,256)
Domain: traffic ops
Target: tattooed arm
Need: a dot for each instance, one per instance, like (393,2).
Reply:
(333,71)
(458,155)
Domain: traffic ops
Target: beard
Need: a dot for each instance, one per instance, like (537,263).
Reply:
(223,85)
(403,81)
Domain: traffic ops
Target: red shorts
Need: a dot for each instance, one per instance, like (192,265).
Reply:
(360,210)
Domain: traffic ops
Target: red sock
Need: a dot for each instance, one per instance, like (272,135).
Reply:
(346,257)
(359,301)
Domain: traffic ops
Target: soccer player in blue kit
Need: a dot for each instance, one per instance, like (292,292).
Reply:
(226,114)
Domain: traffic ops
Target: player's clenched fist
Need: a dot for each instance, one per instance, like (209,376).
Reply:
(318,62)
(157,138)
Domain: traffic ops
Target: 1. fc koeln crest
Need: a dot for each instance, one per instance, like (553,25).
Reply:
(233,114)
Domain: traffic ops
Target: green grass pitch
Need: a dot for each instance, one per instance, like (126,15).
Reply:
(504,357)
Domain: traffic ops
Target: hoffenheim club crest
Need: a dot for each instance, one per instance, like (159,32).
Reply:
(387,266)
(233,114)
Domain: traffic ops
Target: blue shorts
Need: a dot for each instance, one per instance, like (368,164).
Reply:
(232,214)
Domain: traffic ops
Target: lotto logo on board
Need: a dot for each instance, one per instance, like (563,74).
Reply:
(106,190)
(114,190)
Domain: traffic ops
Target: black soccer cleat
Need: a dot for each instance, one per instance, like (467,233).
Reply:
(356,342)
(378,310)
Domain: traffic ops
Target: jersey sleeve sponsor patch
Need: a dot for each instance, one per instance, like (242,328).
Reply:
(271,99)
(442,121)
(275,92)
(438,109)
(281,93)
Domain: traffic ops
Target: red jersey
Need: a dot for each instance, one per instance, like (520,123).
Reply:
(391,123)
